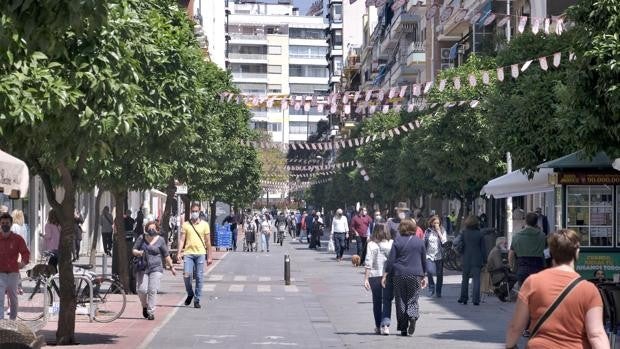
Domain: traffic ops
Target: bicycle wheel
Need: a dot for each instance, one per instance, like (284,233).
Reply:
(110,300)
(31,300)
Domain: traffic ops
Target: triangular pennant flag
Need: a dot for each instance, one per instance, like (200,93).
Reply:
(392,93)
(319,107)
(397,131)
(472,80)
(350,143)
(502,22)
(522,23)
(284,104)
(391,133)
(314,100)
(359,109)
(475,18)
(547,25)
(543,63)
(356,142)
(269,102)
(428,86)
(374,137)
(230,97)
(297,106)
(347,109)
(386,108)
(526,65)
(461,103)
(368,95)
(417,123)
(333,108)
(307,106)
(474,103)
(381,95)
(442,85)
(410,107)
(500,74)
(345,97)
(485,77)
(457,83)
(356,96)
(489,19)
(416,90)
(223,96)
(372,109)
(559,26)
(368,139)
(403,90)
(397,107)
(293,146)
(383,135)
(313,146)
(404,128)
(535,25)
(556,59)
(514,70)
(411,126)
(571,56)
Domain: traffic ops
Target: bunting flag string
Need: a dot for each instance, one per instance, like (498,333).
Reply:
(320,167)
(375,98)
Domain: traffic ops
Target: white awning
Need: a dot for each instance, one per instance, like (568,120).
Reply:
(516,183)
(14,176)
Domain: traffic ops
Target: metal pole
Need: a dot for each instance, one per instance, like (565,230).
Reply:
(508,156)
(104,264)
(287,269)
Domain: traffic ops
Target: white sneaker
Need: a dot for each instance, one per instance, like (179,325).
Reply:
(385,330)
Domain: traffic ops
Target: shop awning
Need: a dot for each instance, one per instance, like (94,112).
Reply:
(14,176)
(579,160)
(516,183)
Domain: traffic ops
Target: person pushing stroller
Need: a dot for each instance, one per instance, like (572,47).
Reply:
(497,265)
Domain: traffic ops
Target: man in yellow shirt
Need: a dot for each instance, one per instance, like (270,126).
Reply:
(196,242)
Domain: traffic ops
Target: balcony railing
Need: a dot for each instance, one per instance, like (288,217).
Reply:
(417,46)
(241,36)
(253,56)
(307,55)
(244,75)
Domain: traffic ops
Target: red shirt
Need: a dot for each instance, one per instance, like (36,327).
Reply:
(360,224)
(10,247)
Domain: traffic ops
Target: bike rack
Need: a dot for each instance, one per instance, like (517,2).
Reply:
(91,312)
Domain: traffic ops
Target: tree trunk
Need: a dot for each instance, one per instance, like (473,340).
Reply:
(212,216)
(119,238)
(65,332)
(171,189)
(95,239)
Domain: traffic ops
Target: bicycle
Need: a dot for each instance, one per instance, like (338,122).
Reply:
(109,296)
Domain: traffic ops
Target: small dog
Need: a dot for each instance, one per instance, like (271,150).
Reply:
(356,260)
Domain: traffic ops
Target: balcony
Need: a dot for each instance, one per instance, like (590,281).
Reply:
(252,38)
(248,56)
(416,53)
(249,77)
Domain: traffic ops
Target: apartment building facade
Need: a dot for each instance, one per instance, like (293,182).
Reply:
(274,51)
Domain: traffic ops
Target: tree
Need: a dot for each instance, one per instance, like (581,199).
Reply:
(592,112)
(527,112)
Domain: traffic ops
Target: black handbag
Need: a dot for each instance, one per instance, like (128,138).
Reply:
(140,262)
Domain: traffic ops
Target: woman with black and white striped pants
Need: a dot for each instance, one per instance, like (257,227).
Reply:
(406,266)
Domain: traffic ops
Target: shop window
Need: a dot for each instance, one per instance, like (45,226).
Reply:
(589,211)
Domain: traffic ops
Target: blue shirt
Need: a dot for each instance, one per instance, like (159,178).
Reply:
(407,257)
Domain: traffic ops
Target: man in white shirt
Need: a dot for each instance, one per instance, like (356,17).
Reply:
(340,227)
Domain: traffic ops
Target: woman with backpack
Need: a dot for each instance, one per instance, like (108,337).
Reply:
(150,250)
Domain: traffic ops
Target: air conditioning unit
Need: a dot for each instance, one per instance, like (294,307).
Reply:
(445,53)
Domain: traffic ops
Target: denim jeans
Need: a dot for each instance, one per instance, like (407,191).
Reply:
(438,272)
(234,240)
(362,241)
(381,301)
(474,273)
(339,244)
(193,264)
(9,282)
(265,239)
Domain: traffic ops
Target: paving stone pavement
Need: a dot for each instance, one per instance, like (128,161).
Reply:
(247,305)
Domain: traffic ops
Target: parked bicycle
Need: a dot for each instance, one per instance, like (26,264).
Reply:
(451,259)
(40,291)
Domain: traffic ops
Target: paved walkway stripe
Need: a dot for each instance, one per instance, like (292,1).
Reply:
(291,288)
(263,288)
(240,278)
(264,278)
(236,288)
(215,277)
(208,287)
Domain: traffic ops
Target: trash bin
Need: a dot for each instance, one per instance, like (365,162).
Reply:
(132,277)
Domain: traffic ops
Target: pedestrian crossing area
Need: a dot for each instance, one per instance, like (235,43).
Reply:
(217,283)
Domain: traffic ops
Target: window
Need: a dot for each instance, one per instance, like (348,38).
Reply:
(274,69)
(307,51)
(275,126)
(337,37)
(259,125)
(336,13)
(301,127)
(274,50)
(589,212)
(275,88)
(337,65)
(303,33)
(316,89)
(256,89)
(307,71)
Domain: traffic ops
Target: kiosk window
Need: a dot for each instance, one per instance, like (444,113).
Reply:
(589,211)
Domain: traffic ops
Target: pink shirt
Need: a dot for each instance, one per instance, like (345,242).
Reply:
(51,237)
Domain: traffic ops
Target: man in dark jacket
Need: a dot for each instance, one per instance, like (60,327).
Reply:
(474,257)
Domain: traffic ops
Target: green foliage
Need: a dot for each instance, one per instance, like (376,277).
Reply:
(592,104)
(527,112)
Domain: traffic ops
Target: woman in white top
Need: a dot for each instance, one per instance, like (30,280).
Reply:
(265,233)
(434,237)
(377,252)
(19,226)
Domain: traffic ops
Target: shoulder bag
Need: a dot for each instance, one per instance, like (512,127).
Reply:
(554,305)
(199,238)
(140,263)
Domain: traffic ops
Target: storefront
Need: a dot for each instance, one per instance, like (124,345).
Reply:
(587,196)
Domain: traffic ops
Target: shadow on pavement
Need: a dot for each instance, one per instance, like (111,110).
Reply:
(82,338)
(480,336)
